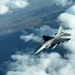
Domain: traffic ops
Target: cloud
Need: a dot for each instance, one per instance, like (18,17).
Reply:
(63,2)
(8,5)
(29,65)
(3,9)
(38,33)
(48,64)
(45,30)
(71,10)
(20,3)
(29,37)
(68,20)
(45,64)
(68,17)
(69,70)
(53,64)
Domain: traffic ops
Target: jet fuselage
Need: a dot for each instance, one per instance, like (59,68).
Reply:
(48,43)
(52,42)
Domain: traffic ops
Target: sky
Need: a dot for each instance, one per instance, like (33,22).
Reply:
(7,6)
(44,63)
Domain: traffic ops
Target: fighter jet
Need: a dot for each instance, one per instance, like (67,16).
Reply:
(52,42)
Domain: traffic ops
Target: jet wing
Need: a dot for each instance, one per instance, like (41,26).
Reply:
(61,40)
(55,43)
(46,38)
(66,34)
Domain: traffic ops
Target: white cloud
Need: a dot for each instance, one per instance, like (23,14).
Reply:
(39,32)
(45,30)
(68,20)
(3,9)
(8,5)
(20,3)
(69,70)
(48,64)
(71,10)
(68,17)
(29,37)
(45,64)
(63,2)
(71,44)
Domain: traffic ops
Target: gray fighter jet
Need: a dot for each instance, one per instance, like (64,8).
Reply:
(52,42)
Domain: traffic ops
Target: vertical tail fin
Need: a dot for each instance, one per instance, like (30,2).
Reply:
(59,30)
